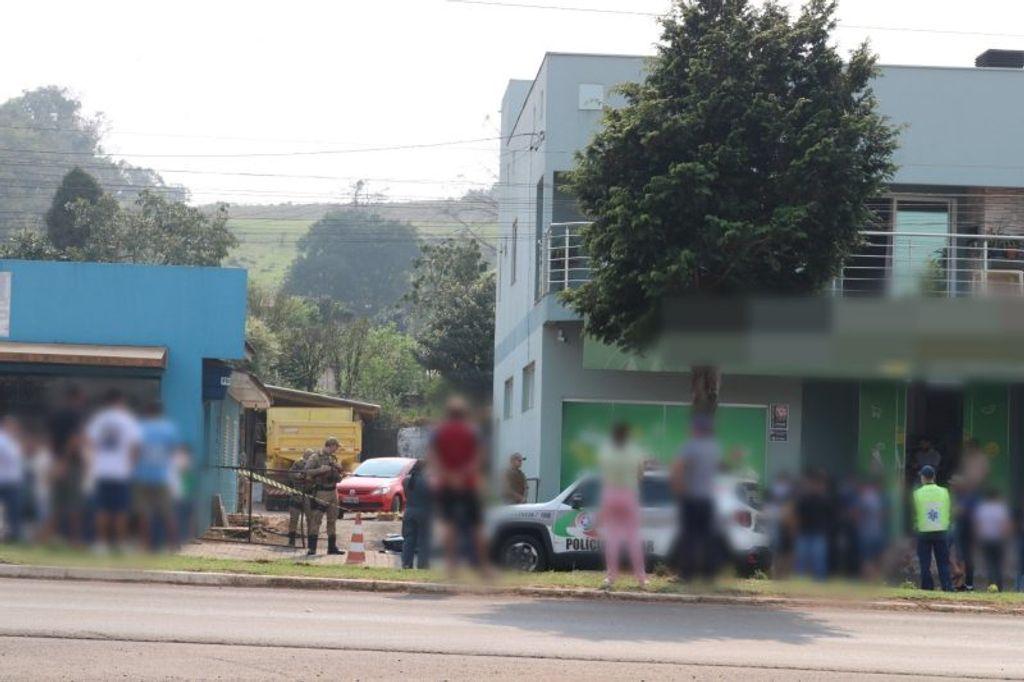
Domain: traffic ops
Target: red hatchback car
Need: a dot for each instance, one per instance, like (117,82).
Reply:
(375,485)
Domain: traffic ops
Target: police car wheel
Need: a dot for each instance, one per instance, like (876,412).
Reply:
(523,553)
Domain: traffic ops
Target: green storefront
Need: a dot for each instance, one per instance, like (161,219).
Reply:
(660,429)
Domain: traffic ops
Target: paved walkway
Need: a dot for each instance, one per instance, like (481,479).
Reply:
(268,550)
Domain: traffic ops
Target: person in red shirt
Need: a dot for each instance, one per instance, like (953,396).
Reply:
(456,457)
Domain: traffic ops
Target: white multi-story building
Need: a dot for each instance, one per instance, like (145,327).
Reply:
(959,183)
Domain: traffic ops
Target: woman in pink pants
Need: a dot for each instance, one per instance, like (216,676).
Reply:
(621,464)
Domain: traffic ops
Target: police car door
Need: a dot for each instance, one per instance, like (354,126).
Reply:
(574,530)
(657,515)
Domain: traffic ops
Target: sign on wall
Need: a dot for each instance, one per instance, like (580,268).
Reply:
(660,429)
(5,304)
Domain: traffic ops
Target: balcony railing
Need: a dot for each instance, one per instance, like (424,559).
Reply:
(565,264)
(886,263)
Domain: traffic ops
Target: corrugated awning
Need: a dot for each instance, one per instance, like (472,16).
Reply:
(149,357)
(293,397)
(248,391)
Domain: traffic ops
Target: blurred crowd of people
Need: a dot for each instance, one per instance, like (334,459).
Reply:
(94,472)
(822,527)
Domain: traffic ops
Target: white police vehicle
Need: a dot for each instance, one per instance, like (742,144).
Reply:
(563,533)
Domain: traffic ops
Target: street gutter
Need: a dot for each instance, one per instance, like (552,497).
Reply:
(201,579)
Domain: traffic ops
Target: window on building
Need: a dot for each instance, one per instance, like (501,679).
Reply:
(513,247)
(528,375)
(539,255)
(591,96)
(507,406)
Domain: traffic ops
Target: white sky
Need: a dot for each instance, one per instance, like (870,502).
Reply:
(243,77)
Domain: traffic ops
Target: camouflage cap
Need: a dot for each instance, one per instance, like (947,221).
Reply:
(331,441)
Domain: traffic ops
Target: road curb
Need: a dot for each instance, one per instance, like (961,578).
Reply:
(197,578)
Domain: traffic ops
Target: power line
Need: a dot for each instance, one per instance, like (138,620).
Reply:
(316,152)
(844,25)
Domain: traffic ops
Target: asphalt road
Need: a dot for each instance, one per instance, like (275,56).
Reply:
(82,630)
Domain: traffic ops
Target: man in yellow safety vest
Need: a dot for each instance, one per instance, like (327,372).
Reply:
(931,521)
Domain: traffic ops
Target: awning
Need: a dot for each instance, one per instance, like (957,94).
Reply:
(293,397)
(149,357)
(248,391)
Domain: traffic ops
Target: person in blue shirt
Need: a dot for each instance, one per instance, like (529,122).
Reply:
(160,443)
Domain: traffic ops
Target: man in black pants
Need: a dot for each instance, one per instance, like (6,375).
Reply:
(693,477)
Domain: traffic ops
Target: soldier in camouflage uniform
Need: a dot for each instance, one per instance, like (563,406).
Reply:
(323,470)
(298,504)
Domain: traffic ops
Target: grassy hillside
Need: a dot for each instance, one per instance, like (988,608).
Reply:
(268,234)
(266,247)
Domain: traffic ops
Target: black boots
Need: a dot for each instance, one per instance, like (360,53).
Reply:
(312,545)
(291,539)
(332,545)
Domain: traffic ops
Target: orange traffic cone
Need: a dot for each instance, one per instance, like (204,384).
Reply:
(356,552)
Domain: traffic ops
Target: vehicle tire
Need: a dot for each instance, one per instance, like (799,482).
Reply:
(396,504)
(523,552)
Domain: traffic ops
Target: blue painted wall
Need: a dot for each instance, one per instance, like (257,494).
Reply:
(194,312)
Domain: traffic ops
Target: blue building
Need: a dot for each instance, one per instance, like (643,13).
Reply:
(148,330)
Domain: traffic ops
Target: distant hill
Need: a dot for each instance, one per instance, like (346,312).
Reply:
(268,234)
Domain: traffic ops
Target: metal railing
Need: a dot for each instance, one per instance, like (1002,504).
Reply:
(886,263)
(565,265)
(933,264)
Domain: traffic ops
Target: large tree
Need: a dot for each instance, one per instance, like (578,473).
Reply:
(154,230)
(356,257)
(452,313)
(740,164)
(43,135)
(60,220)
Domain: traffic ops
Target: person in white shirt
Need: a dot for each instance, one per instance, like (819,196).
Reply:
(992,527)
(12,477)
(621,463)
(112,442)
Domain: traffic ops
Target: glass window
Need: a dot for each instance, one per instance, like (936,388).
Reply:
(528,376)
(589,490)
(381,468)
(591,96)
(920,248)
(655,492)
(507,405)
(513,246)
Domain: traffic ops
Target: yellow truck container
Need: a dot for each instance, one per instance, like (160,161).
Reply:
(291,430)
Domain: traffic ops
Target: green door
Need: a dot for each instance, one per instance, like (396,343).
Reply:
(987,420)
(881,447)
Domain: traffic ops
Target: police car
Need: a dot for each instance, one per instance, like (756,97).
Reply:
(563,533)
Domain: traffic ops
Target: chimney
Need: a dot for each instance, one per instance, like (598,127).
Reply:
(1003,59)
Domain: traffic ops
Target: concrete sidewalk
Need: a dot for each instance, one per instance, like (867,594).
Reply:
(197,578)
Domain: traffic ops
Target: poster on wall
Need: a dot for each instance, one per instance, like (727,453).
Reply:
(779,432)
(660,429)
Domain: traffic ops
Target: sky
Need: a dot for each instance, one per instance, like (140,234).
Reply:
(198,90)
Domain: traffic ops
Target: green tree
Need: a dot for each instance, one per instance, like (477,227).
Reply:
(60,222)
(452,314)
(154,230)
(43,135)
(391,375)
(355,257)
(740,164)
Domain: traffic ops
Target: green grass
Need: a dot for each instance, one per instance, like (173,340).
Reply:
(554,579)
(266,247)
